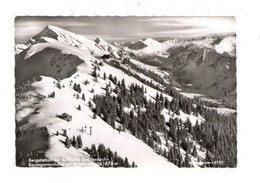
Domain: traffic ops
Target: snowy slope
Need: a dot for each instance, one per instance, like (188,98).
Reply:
(64,101)
(123,143)
(149,46)
(108,48)
(152,47)
(62,36)
(52,43)
(70,38)
(227,45)
(154,69)
(23,46)
(54,52)
(52,58)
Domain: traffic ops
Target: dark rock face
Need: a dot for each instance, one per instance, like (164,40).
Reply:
(207,71)
(48,62)
(137,46)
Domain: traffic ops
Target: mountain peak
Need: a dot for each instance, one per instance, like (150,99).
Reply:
(51,26)
(49,31)
(55,32)
(150,41)
(57,35)
(55,28)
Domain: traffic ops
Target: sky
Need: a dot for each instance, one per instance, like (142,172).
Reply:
(122,29)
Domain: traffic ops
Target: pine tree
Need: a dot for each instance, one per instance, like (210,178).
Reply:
(133,164)
(67,142)
(171,155)
(126,164)
(208,159)
(79,108)
(75,86)
(73,141)
(90,104)
(161,97)
(93,150)
(65,133)
(86,82)
(94,116)
(187,160)
(115,79)
(107,90)
(58,85)
(79,141)
(110,77)
(115,158)
(76,145)
(165,153)
(167,103)
(189,126)
(79,88)
(123,83)
(194,152)
(104,76)
(83,97)
(94,74)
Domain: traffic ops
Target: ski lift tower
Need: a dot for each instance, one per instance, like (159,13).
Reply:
(90,130)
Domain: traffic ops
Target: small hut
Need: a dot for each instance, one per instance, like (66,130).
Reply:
(105,56)
(65,116)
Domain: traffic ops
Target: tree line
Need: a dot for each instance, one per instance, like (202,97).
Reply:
(107,158)
(146,122)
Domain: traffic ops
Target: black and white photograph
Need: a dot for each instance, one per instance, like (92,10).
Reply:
(126,92)
(129,91)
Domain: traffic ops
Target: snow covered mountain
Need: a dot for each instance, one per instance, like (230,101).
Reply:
(150,46)
(65,50)
(207,65)
(205,69)
(87,103)
(227,45)
(53,34)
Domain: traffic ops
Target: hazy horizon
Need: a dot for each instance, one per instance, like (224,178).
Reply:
(129,28)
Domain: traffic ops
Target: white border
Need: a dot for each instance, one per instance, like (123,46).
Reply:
(248,48)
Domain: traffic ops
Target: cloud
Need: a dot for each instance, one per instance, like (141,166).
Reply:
(109,37)
(127,28)
(24,30)
(188,27)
